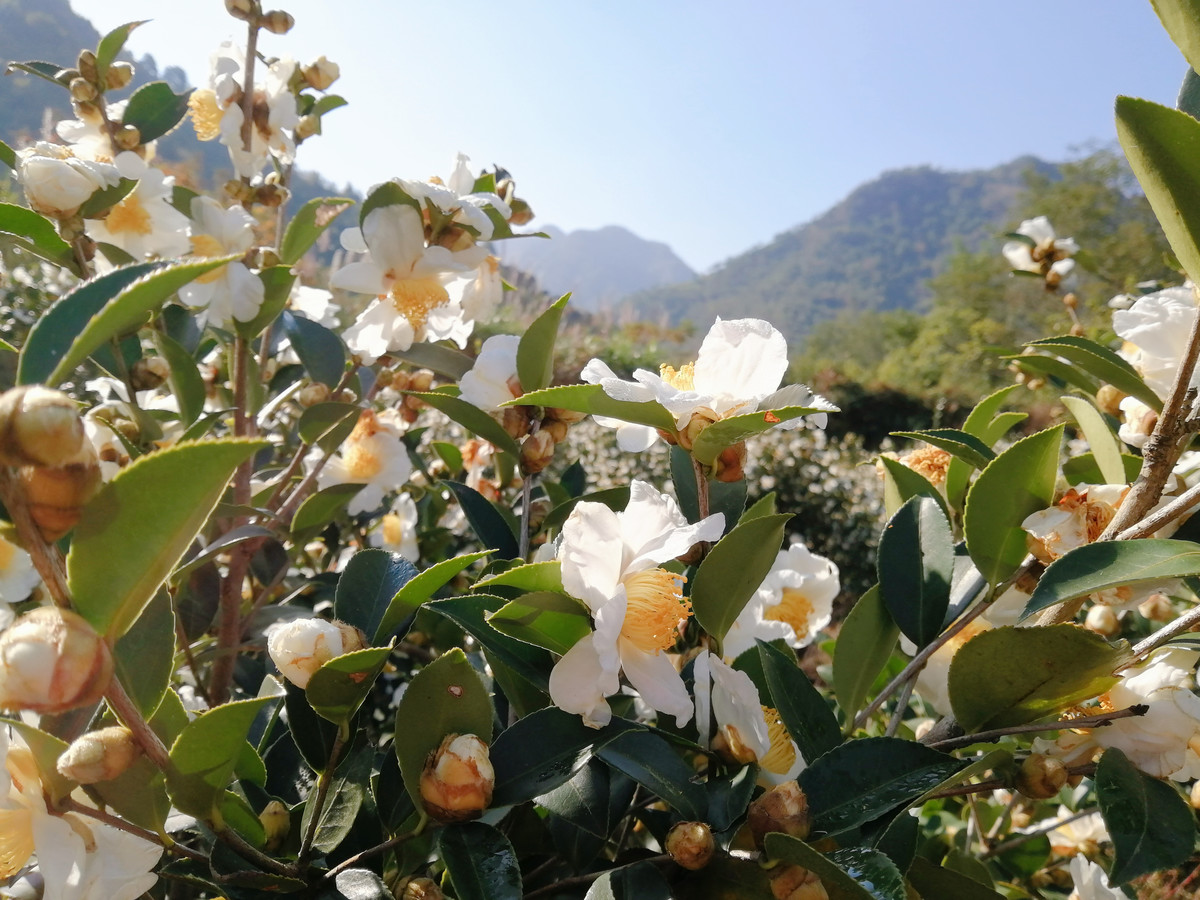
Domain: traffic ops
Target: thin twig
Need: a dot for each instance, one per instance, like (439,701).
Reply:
(1038,832)
(46,558)
(1156,520)
(108,818)
(987,737)
(323,782)
(998,784)
(1184,623)
(132,718)
(251,854)
(377,850)
(526,499)
(901,708)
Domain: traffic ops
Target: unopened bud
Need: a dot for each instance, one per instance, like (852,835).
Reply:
(537,450)
(522,212)
(312,394)
(690,844)
(271,195)
(56,496)
(277,21)
(700,420)
(1157,608)
(457,781)
(40,427)
(1108,399)
(1194,795)
(242,9)
(276,822)
(300,647)
(264,258)
(119,75)
(783,808)
(1102,620)
(52,660)
(420,381)
(1041,777)
(87,66)
(307,127)
(568,416)
(99,755)
(730,465)
(797,883)
(148,373)
(515,420)
(128,137)
(321,73)
(1070,301)
(556,429)
(83,90)
(1077,330)
(412,887)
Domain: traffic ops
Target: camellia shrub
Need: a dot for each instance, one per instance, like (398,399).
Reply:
(302,598)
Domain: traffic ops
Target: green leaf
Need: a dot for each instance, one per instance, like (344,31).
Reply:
(420,588)
(650,761)
(338,688)
(1151,826)
(319,509)
(590,398)
(314,736)
(145,655)
(900,483)
(472,418)
(8,156)
(49,71)
(535,353)
(728,499)
(916,564)
(861,780)
(35,233)
(1163,149)
(587,799)
(111,44)
(344,800)
(849,874)
(308,224)
(471,612)
(204,755)
(988,424)
(726,432)
(441,359)
(104,199)
(1180,19)
(1083,469)
(545,619)
(1189,94)
(367,587)
(863,648)
(445,697)
(936,883)
(46,749)
(804,712)
(1010,676)
(636,881)
(540,576)
(328,424)
(733,570)
(277,289)
(320,350)
(959,444)
(1060,373)
(187,385)
(1101,363)
(1017,483)
(486,521)
(132,533)
(154,109)
(1108,564)
(615,499)
(387,194)
(480,861)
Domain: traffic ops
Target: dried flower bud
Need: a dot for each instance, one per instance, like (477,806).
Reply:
(307,127)
(420,381)
(119,75)
(411,887)
(567,416)
(52,660)
(1102,620)
(783,808)
(128,137)
(321,73)
(730,465)
(797,883)
(87,66)
(700,420)
(312,394)
(1157,608)
(1041,777)
(276,822)
(56,496)
(83,91)
(556,429)
(522,212)
(300,647)
(41,427)
(148,373)
(690,844)
(456,784)
(537,450)
(1109,398)
(242,9)
(99,755)
(277,21)
(515,420)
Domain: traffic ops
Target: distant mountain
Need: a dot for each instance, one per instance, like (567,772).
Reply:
(600,267)
(875,250)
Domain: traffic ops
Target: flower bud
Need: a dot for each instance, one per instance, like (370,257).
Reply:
(1194,795)
(690,844)
(52,660)
(41,427)
(420,381)
(83,91)
(119,75)
(56,496)
(276,822)
(411,887)
(1102,620)
(87,66)
(307,127)
(515,420)
(99,755)
(730,465)
(1070,301)
(537,450)
(522,212)
(783,808)
(242,9)
(700,420)
(556,429)
(1108,399)
(277,21)
(300,647)
(312,394)
(1157,608)
(566,416)
(321,73)
(128,137)
(456,784)
(1041,777)
(797,883)
(148,373)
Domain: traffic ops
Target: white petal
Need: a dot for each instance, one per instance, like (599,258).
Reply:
(396,238)
(591,552)
(575,684)
(655,679)
(743,358)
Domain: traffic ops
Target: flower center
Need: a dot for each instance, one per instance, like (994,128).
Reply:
(129,217)
(782,754)
(207,245)
(362,461)
(206,114)
(416,298)
(795,609)
(16,840)
(393,530)
(654,607)
(682,379)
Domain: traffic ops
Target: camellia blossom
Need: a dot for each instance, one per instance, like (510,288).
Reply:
(56,182)
(300,647)
(18,577)
(78,857)
(397,531)
(144,223)
(794,602)
(230,292)
(493,381)
(1091,883)
(610,560)
(1155,330)
(373,456)
(1049,255)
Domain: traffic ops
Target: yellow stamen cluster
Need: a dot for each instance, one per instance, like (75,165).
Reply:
(16,840)
(360,454)
(393,529)
(416,298)
(206,114)
(129,217)
(931,462)
(655,606)
(207,245)
(795,609)
(780,758)
(682,379)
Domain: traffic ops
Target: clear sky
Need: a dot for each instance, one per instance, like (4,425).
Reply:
(711,125)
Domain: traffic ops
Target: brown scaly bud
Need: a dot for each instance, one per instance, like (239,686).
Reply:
(1077,330)
(797,883)
(277,21)
(412,887)
(1157,608)
(515,420)
(148,373)
(312,394)
(41,427)
(99,755)
(1040,777)
(119,75)
(1109,398)
(730,465)
(271,196)
(276,822)
(567,416)
(1070,301)
(421,381)
(321,73)
(522,212)
(1102,620)
(56,496)
(783,808)
(690,844)
(457,781)
(87,66)
(556,429)
(52,660)
(537,450)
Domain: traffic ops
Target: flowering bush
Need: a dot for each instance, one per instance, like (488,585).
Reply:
(301,597)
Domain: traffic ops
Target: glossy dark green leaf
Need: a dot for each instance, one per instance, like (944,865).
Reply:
(861,780)
(319,509)
(915,563)
(726,432)
(367,585)
(936,883)
(900,483)
(1018,482)
(472,418)
(849,874)
(445,697)
(340,685)
(42,69)
(727,499)
(356,884)
(729,796)
(652,763)
(187,384)
(590,398)
(313,735)
(959,444)
(154,109)
(1151,825)
(343,801)
(544,618)
(485,520)
(105,199)
(535,353)
(1101,363)
(637,881)
(308,224)
(586,801)
(1108,564)
(473,612)
(205,752)
(864,645)
(409,597)
(805,714)
(733,570)
(320,350)
(328,424)
(480,861)
(614,498)
(145,656)
(1010,676)
(1188,100)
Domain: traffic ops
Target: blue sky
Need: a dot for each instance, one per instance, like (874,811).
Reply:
(712,126)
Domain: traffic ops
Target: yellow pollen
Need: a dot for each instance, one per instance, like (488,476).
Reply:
(654,608)
(682,379)
(129,217)
(206,114)
(16,840)
(393,529)
(782,754)
(362,462)
(207,245)
(8,551)
(416,298)
(795,608)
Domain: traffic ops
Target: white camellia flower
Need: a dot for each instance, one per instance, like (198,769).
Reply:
(1155,330)
(231,292)
(478,293)
(56,182)
(794,602)
(1091,883)
(373,456)
(77,857)
(144,223)
(750,731)
(300,647)
(397,531)
(1045,245)
(492,381)
(18,577)
(1075,834)
(610,561)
